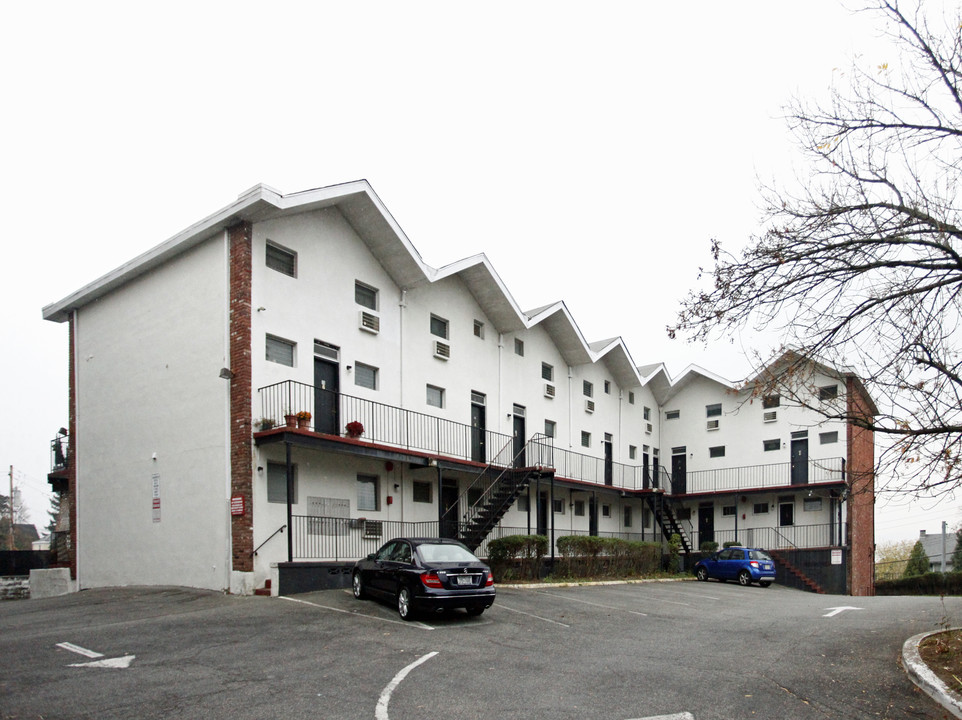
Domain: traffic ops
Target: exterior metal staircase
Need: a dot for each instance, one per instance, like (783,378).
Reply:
(661,507)
(482,517)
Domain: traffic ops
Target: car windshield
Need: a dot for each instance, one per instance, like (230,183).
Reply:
(439,552)
(759,555)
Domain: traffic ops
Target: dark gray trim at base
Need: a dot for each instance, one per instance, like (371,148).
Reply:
(302,577)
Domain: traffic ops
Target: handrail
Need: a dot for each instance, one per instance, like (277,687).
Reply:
(777,532)
(280,529)
(464,495)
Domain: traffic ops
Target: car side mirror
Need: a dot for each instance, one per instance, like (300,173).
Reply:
(371,556)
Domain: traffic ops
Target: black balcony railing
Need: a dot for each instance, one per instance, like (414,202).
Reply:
(761,476)
(59,450)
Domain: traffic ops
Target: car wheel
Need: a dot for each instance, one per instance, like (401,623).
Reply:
(765,583)
(358,586)
(404,603)
(701,574)
(475,611)
(744,578)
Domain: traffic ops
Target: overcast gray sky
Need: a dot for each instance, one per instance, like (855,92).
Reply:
(590,150)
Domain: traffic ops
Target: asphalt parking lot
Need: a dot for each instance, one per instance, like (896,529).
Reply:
(682,650)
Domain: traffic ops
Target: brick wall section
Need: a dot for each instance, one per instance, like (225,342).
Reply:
(70,497)
(861,502)
(241,448)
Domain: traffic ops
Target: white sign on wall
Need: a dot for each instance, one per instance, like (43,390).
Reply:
(836,557)
(155,501)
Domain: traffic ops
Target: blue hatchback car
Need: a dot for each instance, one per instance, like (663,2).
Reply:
(746,565)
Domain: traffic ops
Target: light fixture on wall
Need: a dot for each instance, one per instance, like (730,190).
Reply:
(225,374)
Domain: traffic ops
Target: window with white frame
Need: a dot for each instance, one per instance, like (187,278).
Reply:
(713,410)
(559,506)
(280,351)
(589,389)
(365,376)
(277,483)
(769,445)
(547,372)
(579,508)
(811,504)
(631,397)
(828,392)
(281,259)
(729,510)
(585,439)
(365,295)
(828,438)
(550,428)
(435,396)
(606,511)
(717,451)
(522,503)
(672,414)
(760,508)
(479,329)
(439,327)
(771,401)
(647,414)
(607,387)
(632,452)
(367,492)
(519,347)
(421,491)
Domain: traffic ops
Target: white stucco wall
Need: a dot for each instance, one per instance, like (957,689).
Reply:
(150,403)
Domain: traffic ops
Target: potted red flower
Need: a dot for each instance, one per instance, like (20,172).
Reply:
(354,429)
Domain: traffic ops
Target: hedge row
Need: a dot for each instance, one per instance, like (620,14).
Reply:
(928,584)
(517,557)
(521,557)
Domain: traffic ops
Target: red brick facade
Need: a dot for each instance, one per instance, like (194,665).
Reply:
(70,497)
(861,500)
(241,422)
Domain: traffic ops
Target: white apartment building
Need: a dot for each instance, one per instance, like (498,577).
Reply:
(436,406)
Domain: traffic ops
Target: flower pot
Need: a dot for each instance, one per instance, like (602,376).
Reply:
(304,423)
(291,420)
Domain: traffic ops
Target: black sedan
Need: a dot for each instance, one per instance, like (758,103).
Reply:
(429,574)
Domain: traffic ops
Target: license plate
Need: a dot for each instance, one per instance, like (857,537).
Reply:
(464,580)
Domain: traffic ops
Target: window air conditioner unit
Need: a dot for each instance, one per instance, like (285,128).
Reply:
(712,425)
(589,406)
(442,351)
(770,416)
(369,322)
(648,428)
(549,390)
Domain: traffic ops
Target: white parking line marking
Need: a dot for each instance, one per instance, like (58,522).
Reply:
(676,716)
(422,626)
(118,662)
(837,610)
(79,650)
(606,607)
(502,606)
(381,712)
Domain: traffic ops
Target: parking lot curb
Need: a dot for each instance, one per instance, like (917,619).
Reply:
(588,583)
(920,674)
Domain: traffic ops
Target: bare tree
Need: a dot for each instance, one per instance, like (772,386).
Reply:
(860,265)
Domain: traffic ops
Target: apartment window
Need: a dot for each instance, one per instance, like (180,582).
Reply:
(519,347)
(523,503)
(729,510)
(281,259)
(631,397)
(365,295)
(829,392)
(828,438)
(760,508)
(365,376)
(479,329)
(559,506)
(717,451)
(367,492)
(627,516)
(811,504)
(770,445)
(550,428)
(589,389)
(422,491)
(435,396)
(771,401)
(672,414)
(579,508)
(647,414)
(632,452)
(606,511)
(547,372)
(277,483)
(585,439)
(280,351)
(607,387)
(439,327)
(713,410)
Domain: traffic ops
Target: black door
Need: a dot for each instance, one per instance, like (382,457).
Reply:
(786,514)
(542,513)
(609,462)
(679,473)
(645,471)
(478,453)
(449,509)
(706,524)
(519,441)
(326,397)
(592,517)
(800,461)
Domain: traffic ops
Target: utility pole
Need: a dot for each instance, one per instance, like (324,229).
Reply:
(944,523)
(10,537)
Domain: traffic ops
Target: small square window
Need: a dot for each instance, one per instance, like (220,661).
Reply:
(367,492)
(559,506)
(280,351)
(479,329)
(365,295)
(550,428)
(760,508)
(713,410)
(647,414)
(627,515)
(607,387)
(435,396)
(672,414)
(606,511)
(828,438)
(770,445)
(281,259)
(729,510)
(439,327)
(829,392)
(771,401)
(422,491)
(632,452)
(631,397)
(579,508)
(589,389)
(277,483)
(547,372)
(522,503)
(717,451)
(519,347)
(365,376)
(585,439)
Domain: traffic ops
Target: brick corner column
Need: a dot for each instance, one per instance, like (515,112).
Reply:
(860,466)
(71,494)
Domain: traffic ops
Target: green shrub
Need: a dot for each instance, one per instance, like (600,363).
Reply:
(674,553)
(589,556)
(928,584)
(708,547)
(517,556)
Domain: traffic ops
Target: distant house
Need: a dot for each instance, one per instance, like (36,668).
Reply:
(932,544)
